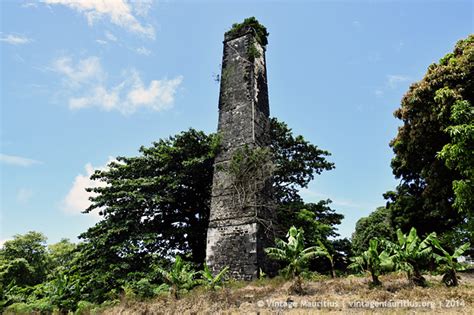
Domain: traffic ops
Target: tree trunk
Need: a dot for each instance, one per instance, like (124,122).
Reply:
(450,278)
(417,278)
(375,278)
(333,272)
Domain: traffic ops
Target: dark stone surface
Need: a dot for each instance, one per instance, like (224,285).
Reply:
(238,233)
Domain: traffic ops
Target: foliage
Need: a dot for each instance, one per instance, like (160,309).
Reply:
(342,251)
(24,259)
(154,206)
(296,162)
(250,170)
(374,260)
(447,263)
(261,33)
(292,252)
(425,198)
(157,204)
(323,251)
(60,255)
(411,253)
(17,272)
(458,153)
(318,221)
(142,289)
(210,281)
(63,292)
(376,225)
(181,277)
(252,51)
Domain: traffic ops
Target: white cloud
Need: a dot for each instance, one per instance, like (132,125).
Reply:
(393,80)
(141,7)
(314,196)
(143,51)
(17,160)
(77,199)
(119,12)
(101,41)
(13,39)
(84,71)
(158,95)
(24,195)
(87,87)
(111,37)
(99,97)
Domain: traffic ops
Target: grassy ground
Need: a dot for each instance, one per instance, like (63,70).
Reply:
(341,295)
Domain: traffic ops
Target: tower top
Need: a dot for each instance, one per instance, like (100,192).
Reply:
(248,26)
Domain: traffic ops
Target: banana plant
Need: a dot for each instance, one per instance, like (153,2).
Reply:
(374,260)
(210,281)
(292,252)
(323,251)
(448,264)
(181,276)
(411,253)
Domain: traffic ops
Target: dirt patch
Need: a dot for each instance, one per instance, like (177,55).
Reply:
(341,295)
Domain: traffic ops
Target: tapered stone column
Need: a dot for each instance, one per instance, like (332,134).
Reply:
(238,234)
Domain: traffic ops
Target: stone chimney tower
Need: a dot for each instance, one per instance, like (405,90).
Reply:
(238,234)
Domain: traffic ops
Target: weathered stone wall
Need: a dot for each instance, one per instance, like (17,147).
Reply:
(237,234)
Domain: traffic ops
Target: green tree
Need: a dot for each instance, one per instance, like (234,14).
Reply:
(25,253)
(296,162)
(153,206)
(324,252)
(157,204)
(458,153)
(61,255)
(376,225)
(425,197)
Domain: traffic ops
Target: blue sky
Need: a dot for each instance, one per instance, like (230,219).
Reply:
(83,82)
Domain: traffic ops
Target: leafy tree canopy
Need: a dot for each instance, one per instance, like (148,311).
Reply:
(436,113)
(157,204)
(27,255)
(376,225)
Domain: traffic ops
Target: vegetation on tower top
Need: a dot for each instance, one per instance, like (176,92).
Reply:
(261,32)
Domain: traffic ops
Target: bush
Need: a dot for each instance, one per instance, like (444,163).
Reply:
(142,289)
(84,307)
(19,308)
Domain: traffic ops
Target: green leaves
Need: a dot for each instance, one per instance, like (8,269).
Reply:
(212,282)
(292,252)
(433,149)
(376,225)
(24,259)
(447,263)
(181,276)
(411,253)
(296,162)
(261,32)
(375,260)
